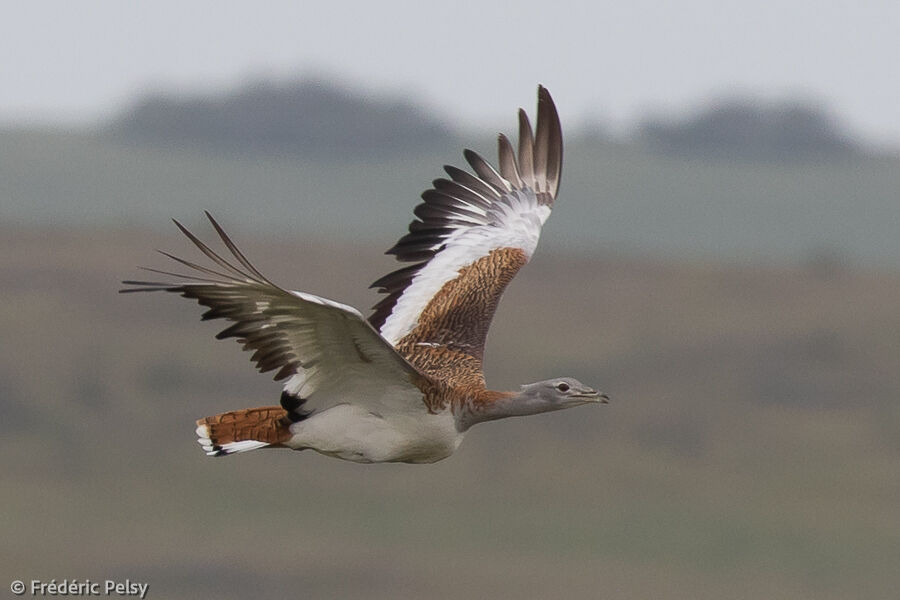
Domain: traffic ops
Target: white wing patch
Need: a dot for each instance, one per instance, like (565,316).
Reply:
(514,222)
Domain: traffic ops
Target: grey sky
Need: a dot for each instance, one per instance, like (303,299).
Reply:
(76,61)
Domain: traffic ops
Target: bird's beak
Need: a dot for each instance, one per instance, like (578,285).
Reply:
(594,396)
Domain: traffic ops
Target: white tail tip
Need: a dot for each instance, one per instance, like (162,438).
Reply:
(213,449)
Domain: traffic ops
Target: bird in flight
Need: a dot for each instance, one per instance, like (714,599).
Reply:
(406,384)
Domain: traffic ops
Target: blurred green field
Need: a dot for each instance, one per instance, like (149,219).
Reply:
(614,196)
(751,449)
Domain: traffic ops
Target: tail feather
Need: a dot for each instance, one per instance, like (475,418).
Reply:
(244,430)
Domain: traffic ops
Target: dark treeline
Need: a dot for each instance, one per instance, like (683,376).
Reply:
(313,116)
(745,129)
(322,118)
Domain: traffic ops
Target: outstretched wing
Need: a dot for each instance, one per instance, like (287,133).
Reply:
(472,235)
(325,351)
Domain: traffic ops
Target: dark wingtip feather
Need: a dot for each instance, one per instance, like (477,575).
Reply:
(209,252)
(144,286)
(526,149)
(548,146)
(485,171)
(509,168)
(235,251)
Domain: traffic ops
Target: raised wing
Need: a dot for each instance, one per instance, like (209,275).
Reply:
(472,235)
(326,351)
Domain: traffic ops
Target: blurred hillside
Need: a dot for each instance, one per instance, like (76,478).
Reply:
(311,116)
(751,449)
(322,117)
(748,129)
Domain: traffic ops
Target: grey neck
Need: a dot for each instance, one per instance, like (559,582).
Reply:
(512,404)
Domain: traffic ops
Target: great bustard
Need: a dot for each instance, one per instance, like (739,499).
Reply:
(407,384)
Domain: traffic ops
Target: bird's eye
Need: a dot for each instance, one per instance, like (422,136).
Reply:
(562,386)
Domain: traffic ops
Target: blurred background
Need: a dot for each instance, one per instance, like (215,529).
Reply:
(722,260)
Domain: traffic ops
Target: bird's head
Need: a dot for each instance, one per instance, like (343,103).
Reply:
(559,393)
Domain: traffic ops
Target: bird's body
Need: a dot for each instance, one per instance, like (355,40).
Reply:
(353,433)
(406,384)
